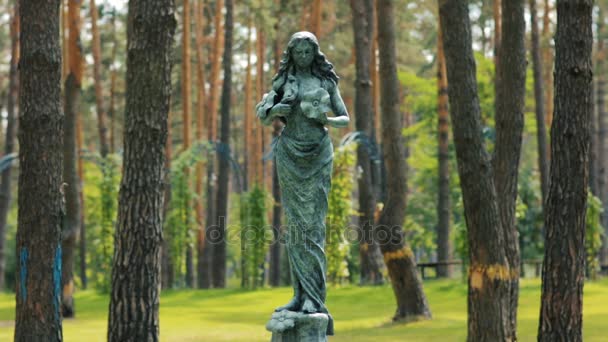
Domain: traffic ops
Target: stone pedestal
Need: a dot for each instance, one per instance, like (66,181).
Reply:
(289,326)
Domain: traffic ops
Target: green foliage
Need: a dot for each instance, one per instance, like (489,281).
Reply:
(423,176)
(255,235)
(180,223)
(529,215)
(593,234)
(339,213)
(101,185)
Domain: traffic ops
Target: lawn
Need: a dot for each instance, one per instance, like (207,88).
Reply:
(360,313)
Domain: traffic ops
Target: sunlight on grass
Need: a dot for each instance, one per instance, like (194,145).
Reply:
(361,314)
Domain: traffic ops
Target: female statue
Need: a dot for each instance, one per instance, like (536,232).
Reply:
(303,91)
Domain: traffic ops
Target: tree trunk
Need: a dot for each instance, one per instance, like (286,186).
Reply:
(82,248)
(38,245)
(497,10)
(399,259)
(11,128)
(489,274)
(200,120)
(186,122)
(134,301)
(214,82)
(444,242)
(539,100)
(509,118)
(71,227)
(564,264)
(101,115)
(259,128)
(315,22)
(602,128)
(113,75)
(167,272)
(219,240)
(248,109)
(547,54)
(363,28)
(277,212)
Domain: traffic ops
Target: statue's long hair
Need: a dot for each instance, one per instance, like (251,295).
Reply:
(321,67)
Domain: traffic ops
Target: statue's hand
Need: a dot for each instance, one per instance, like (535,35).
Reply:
(281,109)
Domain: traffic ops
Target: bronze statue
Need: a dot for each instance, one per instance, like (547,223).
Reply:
(303,91)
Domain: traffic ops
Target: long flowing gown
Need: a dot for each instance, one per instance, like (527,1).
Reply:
(304,156)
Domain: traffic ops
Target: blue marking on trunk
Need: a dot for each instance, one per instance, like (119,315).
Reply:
(57,282)
(23,255)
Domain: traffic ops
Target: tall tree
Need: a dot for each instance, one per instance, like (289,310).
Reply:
(200,120)
(134,303)
(219,240)
(399,259)
(82,243)
(564,264)
(363,29)
(509,118)
(167,275)
(113,76)
(444,244)
(186,122)
(11,128)
(101,114)
(602,130)
(539,101)
(277,212)
(547,54)
(489,274)
(38,247)
(316,17)
(71,227)
(214,85)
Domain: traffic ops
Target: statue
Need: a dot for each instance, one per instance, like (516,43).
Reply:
(304,91)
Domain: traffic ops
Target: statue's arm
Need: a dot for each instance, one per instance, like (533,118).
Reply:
(267,110)
(341,118)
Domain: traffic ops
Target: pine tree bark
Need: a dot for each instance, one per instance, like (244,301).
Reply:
(444,242)
(218,240)
(82,243)
(113,76)
(11,130)
(247,122)
(497,11)
(539,100)
(71,227)
(214,82)
(509,118)
(134,301)
(186,122)
(547,54)
(363,28)
(38,246)
(276,246)
(602,129)
(167,272)
(489,274)
(101,114)
(399,259)
(200,120)
(564,263)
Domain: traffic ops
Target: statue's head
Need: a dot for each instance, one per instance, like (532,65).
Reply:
(303,42)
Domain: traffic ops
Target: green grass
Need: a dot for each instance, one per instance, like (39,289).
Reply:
(360,313)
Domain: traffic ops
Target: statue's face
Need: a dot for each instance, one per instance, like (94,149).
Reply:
(303,54)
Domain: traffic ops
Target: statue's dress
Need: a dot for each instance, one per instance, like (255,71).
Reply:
(304,155)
